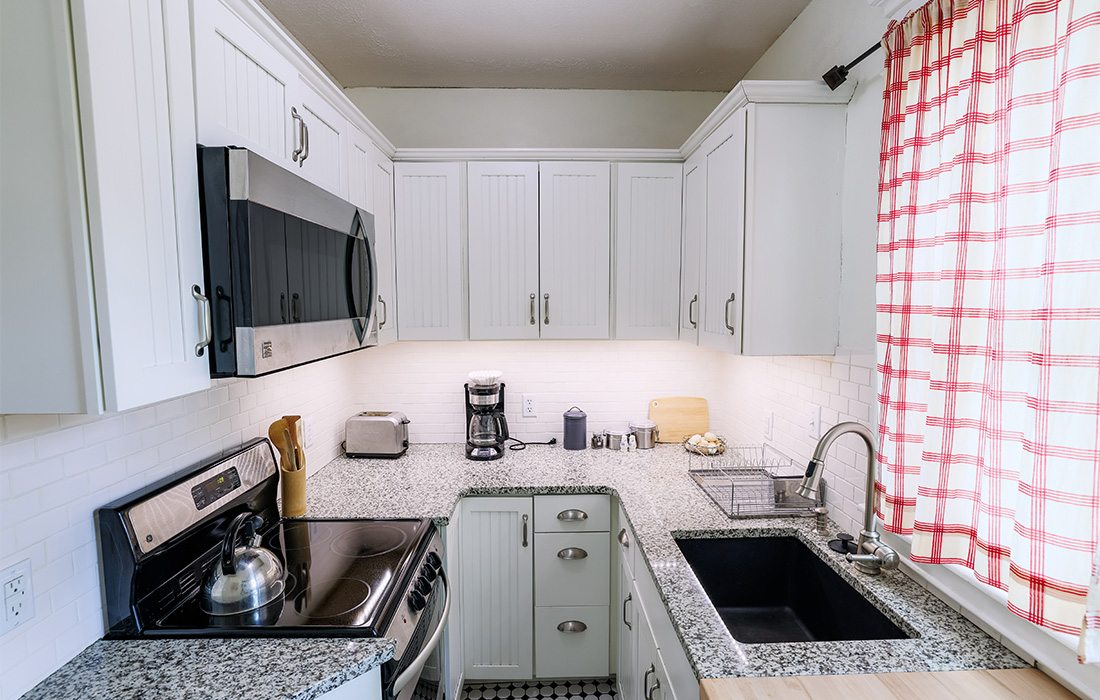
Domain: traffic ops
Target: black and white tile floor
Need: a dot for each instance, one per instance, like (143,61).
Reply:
(541,690)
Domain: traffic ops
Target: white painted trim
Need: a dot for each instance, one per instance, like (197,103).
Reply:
(619,155)
(759,91)
(1050,653)
(259,19)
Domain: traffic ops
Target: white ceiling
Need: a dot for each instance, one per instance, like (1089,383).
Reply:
(608,44)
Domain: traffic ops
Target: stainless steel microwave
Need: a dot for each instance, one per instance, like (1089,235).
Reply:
(290,267)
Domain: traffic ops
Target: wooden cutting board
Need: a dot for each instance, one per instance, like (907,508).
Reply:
(679,417)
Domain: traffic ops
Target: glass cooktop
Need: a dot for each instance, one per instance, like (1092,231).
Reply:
(341,577)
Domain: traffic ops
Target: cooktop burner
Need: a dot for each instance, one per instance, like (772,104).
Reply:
(339,576)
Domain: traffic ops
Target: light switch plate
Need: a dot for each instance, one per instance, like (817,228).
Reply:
(769,426)
(813,422)
(15,583)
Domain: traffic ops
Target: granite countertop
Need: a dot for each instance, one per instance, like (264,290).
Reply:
(201,669)
(662,502)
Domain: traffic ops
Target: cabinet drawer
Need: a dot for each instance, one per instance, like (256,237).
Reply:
(573,513)
(572,568)
(580,653)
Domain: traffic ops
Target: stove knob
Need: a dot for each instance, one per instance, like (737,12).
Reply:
(421,586)
(434,560)
(417,601)
(428,572)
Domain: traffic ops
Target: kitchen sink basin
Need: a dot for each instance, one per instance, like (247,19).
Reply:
(774,589)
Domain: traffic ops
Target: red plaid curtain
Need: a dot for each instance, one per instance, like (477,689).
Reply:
(988,294)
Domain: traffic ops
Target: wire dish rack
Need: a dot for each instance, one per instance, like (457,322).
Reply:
(752,481)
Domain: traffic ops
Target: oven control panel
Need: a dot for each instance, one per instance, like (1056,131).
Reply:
(215,487)
(423,593)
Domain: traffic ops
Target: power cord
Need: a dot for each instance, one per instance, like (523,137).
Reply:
(521,445)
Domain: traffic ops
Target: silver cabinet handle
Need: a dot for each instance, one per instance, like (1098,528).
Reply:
(206,325)
(546,309)
(656,682)
(729,301)
(524,529)
(299,138)
(305,144)
(691,311)
(533,321)
(571,553)
(385,311)
(629,597)
(572,515)
(624,539)
(572,626)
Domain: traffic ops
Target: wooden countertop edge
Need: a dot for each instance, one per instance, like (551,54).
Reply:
(992,684)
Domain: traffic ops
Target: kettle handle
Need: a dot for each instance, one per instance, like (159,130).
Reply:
(229,545)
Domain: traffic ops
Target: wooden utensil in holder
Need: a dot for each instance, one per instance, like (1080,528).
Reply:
(286,435)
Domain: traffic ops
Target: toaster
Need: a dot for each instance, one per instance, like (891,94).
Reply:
(382,434)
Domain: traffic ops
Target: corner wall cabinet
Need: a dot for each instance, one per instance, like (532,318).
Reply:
(647,250)
(761,232)
(118,153)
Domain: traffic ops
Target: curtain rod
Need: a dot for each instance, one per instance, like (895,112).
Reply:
(835,76)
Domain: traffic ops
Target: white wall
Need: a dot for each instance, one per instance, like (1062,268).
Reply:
(55,470)
(500,118)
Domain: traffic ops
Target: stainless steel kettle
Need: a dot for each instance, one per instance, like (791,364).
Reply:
(247,577)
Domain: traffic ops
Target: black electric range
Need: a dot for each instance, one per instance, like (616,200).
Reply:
(365,578)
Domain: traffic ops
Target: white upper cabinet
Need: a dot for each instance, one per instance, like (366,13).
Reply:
(691,249)
(244,86)
(430,227)
(382,194)
(320,138)
(647,250)
(504,250)
(135,161)
(574,249)
(719,305)
(360,160)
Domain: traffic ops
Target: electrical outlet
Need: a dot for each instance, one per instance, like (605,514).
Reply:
(813,422)
(769,426)
(529,406)
(18,597)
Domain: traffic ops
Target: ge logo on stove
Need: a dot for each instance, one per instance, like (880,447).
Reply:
(265,349)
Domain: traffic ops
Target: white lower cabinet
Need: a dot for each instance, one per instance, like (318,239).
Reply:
(571,641)
(497,588)
(627,622)
(571,569)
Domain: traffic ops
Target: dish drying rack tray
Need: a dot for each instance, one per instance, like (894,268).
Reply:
(753,481)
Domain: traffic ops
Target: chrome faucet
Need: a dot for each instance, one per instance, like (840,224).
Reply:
(871,556)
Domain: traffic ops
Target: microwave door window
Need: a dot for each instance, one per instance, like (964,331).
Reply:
(318,272)
(267,240)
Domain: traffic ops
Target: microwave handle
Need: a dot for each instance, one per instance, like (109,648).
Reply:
(368,294)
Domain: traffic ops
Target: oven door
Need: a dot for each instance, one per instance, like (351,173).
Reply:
(417,674)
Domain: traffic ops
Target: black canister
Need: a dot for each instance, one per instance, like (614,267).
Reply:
(575,427)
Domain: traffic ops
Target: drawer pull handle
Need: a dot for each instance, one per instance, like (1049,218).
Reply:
(626,621)
(570,553)
(524,529)
(572,626)
(623,539)
(656,682)
(572,515)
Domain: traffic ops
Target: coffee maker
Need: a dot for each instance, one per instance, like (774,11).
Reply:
(486,426)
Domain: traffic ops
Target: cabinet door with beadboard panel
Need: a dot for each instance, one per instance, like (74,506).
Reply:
(136,100)
(244,86)
(430,228)
(574,249)
(323,139)
(497,588)
(694,236)
(360,160)
(723,263)
(504,250)
(647,250)
(382,194)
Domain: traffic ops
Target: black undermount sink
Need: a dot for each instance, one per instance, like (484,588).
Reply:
(774,589)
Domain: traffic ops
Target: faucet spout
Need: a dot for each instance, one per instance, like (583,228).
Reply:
(872,556)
